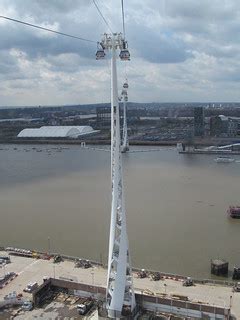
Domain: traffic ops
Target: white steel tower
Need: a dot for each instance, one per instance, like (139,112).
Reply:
(125,143)
(120,296)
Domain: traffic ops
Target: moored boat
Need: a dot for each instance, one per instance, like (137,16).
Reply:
(224,160)
(234,212)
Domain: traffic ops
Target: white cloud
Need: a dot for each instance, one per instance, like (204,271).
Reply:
(181,51)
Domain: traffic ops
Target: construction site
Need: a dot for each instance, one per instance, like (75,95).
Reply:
(41,286)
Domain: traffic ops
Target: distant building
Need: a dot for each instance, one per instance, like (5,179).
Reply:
(56,132)
(198,121)
(233,127)
(216,126)
(103,115)
(223,126)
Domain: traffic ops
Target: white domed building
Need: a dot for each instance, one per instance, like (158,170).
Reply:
(56,132)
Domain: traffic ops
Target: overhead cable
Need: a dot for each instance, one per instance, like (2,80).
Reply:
(123,20)
(49,30)
(99,11)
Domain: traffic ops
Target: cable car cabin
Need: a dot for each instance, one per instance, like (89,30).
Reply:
(125,85)
(100,54)
(124,55)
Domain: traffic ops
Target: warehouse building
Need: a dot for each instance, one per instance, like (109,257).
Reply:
(56,132)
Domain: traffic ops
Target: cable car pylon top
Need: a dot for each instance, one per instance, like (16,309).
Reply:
(107,43)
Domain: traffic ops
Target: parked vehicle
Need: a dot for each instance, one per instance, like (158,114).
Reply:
(142,274)
(57,259)
(5,259)
(8,276)
(188,282)
(81,263)
(155,276)
(27,305)
(85,306)
(236,287)
(236,273)
(31,287)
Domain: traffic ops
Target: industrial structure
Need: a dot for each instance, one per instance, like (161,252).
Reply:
(120,297)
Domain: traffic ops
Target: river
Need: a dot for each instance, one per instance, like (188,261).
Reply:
(176,205)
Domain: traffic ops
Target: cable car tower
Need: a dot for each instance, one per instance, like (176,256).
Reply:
(120,296)
(124,98)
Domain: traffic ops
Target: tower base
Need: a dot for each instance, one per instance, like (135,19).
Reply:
(126,314)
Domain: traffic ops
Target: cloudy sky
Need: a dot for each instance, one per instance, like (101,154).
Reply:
(184,50)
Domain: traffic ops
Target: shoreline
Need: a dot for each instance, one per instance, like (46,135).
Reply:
(87,142)
(216,152)
(172,276)
(96,141)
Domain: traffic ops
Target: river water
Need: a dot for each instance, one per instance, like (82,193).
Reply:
(176,205)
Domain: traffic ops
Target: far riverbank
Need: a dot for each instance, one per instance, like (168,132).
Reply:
(88,142)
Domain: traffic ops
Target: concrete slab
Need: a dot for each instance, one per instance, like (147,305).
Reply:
(30,270)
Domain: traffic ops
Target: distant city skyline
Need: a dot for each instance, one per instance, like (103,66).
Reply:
(184,51)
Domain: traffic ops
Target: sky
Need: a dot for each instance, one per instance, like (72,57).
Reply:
(181,51)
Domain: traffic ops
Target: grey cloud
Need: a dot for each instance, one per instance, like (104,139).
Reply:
(212,25)
(216,20)
(230,74)
(34,44)
(45,10)
(71,16)
(8,63)
(158,47)
(203,10)
(70,62)
(188,34)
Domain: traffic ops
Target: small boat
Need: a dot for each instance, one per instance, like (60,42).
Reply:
(234,212)
(224,160)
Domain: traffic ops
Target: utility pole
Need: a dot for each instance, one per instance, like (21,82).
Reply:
(120,292)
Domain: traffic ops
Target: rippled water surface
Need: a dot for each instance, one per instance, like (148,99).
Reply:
(176,205)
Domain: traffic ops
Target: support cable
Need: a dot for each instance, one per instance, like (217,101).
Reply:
(123,20)
(124,34)
(49,30)
(99,11)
